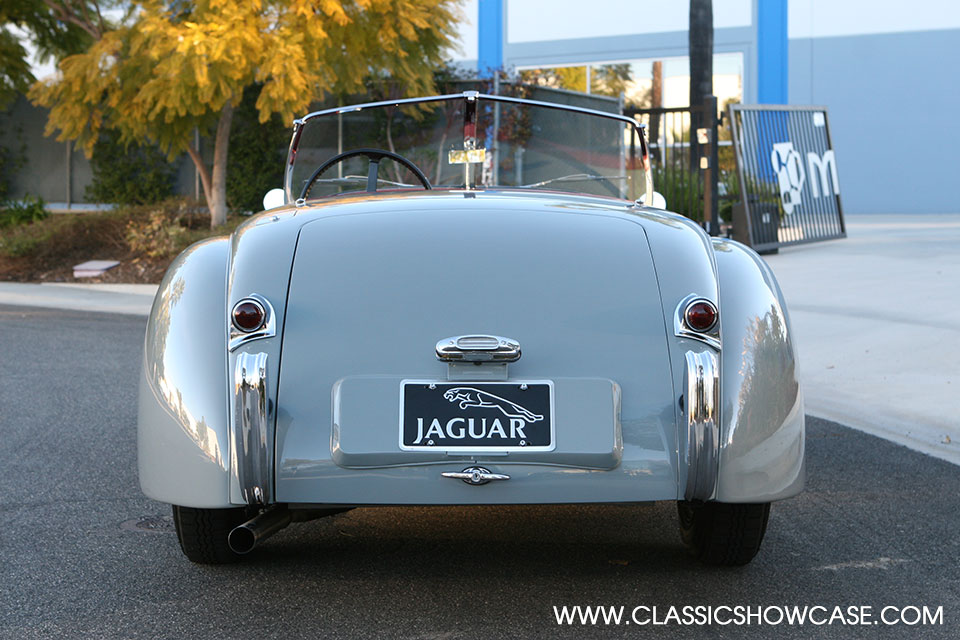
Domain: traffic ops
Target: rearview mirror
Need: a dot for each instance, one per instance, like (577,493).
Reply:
(274,198)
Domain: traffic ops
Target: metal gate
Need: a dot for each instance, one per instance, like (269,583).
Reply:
(684,145)
(787,171)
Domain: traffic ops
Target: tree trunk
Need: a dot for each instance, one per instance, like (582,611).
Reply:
(217,201)
(701,66)
(656,102)
(202,170)
(215,184)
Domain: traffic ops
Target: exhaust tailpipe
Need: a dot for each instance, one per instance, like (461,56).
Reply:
(247,536)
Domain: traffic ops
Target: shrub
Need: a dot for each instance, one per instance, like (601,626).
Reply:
(681,189)
(12,159)
(162,229)
(257,152)
(143,237)
(19,244)
(28,210)
(128,173)
(157,237)
(68,238)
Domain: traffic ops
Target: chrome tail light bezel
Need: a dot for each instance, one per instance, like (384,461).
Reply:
(683,329)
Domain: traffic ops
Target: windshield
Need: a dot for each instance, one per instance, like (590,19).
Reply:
(468,141)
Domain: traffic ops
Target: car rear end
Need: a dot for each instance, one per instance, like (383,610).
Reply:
(389,386)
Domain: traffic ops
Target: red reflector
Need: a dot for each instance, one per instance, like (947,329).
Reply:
(248,316)
(701,315)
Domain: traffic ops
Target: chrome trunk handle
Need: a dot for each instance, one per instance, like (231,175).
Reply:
(478,348)
(475,475)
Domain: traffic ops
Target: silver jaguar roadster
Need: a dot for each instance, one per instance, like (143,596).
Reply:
(464,300)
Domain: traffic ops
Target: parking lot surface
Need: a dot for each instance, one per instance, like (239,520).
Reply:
(84,554)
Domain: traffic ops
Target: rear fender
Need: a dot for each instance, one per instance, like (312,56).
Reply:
(183,445)
(762,421)
(208,398)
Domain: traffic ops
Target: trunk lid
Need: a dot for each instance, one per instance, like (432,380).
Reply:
(373,290)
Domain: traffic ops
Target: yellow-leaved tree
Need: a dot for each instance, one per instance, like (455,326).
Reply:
(172,66)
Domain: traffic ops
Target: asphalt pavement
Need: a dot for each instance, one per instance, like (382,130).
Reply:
(84,554)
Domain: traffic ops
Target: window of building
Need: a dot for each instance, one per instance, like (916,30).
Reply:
(644,83)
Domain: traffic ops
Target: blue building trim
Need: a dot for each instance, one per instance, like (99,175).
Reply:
(490,36)
(771,51)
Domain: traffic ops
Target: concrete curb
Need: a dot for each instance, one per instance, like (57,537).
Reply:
(132,299)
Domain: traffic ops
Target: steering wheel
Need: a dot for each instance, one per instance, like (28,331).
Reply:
(375,156)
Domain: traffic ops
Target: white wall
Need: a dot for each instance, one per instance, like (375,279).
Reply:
(888,78)
(537,20)
(826,18)
(468,48)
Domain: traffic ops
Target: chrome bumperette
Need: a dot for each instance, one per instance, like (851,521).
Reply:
(475,475)
(478,348)
(268,330)
(682,330)
(250,420)
(703,437)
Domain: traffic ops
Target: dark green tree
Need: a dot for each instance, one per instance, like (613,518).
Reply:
(56,30)
(128,173)
(611,79)
(257,152)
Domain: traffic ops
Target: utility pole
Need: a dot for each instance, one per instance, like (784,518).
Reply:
(701,66)
(656,102)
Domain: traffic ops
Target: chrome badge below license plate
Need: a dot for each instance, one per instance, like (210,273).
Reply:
(501,416)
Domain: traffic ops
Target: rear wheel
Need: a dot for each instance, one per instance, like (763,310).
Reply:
(723,534)
(203,533)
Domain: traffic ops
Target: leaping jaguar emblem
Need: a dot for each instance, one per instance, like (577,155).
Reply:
(470,397)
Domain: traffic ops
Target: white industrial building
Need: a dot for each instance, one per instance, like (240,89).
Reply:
(886,71)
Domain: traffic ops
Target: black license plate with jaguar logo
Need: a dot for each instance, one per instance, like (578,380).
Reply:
(503,416)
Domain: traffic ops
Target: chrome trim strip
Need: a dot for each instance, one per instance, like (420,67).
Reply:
(473,95)
(478,348)
(681,330)
(268,330)
(703,438)
(475,475)
(250,420)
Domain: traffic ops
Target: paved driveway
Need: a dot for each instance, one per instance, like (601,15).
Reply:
(878,526)
(876,320)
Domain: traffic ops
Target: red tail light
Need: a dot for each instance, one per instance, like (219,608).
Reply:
(248,315)
(700,315)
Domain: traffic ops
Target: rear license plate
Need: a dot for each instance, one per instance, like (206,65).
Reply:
(487,416)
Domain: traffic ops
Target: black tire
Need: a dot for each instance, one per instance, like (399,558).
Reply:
(723,534)
(203,533)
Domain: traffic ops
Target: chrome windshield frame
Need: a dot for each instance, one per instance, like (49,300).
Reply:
(467,96)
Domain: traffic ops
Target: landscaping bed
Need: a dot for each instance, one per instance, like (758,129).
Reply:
(144,238)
